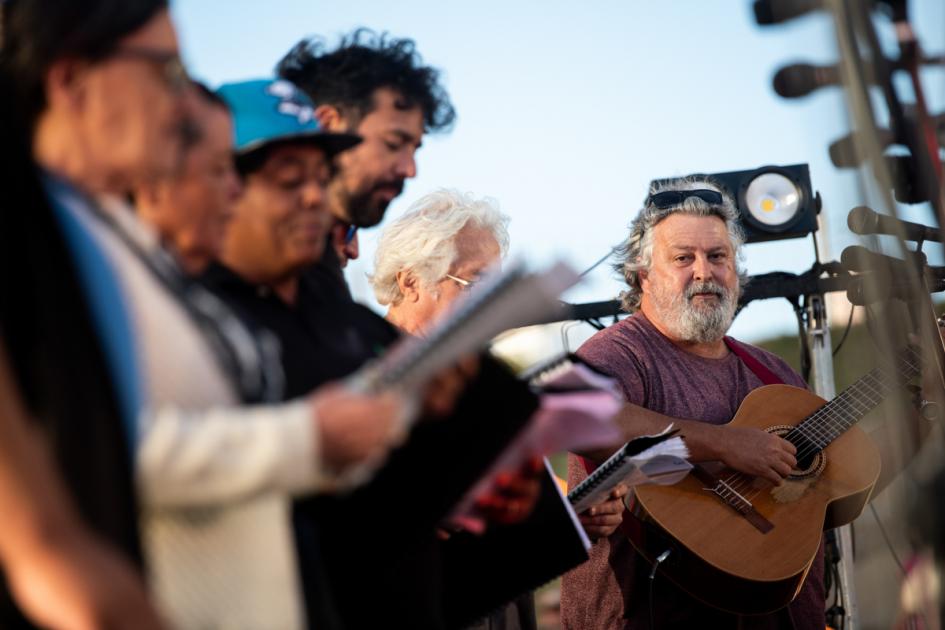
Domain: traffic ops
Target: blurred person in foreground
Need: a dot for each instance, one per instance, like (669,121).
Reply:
(91,87)
(106,116)
(274,238)
(425,260)
(378,88)
(218,478)
(191,210)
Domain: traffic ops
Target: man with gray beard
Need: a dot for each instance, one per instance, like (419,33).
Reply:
(675,364)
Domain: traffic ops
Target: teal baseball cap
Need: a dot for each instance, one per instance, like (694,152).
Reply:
(266,111)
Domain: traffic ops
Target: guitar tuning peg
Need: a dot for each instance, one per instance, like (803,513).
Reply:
(927,409)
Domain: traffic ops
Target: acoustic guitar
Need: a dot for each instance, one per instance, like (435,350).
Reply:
(738,542)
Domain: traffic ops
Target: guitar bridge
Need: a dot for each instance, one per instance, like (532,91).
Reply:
(733,499)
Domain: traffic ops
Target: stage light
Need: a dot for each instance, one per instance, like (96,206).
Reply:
(774,202)
(772,199)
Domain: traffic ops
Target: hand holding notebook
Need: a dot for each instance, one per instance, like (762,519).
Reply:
(659,459)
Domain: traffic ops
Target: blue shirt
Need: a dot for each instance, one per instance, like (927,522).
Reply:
(109,309)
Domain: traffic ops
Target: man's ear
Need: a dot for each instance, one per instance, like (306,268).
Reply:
(330,119)
(64,83)
(644,277)
(409,285)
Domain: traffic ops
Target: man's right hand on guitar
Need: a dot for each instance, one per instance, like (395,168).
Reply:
(756,452)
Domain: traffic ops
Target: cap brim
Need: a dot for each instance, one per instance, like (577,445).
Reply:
(336,142)
(330,143)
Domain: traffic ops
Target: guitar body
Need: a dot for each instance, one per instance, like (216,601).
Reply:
(721,558)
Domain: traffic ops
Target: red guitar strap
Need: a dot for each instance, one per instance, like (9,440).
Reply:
(766,376)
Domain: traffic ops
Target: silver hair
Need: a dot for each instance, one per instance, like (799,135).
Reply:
(636,253)
(422,240)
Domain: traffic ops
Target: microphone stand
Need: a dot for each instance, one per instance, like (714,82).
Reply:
(820,349)
(854,22)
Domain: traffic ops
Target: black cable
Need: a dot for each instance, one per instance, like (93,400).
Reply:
(869,326)
(834,613)
(892,550)
(595,323)
(841,611)
(599,262)
(846,331)
(802,335)
(652,622)
(656,565)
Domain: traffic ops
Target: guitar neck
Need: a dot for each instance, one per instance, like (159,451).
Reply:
(830,421)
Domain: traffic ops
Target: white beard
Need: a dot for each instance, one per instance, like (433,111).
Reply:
(706,323)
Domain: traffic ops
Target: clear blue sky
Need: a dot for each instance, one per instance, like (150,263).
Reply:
(567,110)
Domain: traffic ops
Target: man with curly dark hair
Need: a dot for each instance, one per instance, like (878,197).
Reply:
(377,87)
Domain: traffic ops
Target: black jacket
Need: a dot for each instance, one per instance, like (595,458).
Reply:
(374,552)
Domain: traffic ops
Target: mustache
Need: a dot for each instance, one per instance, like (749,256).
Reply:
(397,184)
(708,286)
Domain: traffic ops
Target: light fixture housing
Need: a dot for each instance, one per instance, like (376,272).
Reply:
(774,202)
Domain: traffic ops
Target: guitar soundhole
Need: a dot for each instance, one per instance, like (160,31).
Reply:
(808,466)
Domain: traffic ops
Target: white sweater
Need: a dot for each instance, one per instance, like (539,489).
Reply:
(215,480)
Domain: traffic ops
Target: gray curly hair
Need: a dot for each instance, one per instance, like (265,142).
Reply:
(636,253)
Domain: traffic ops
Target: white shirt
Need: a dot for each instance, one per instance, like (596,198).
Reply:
(215,480)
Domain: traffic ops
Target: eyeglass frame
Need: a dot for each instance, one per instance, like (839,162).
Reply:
(173,71)
(462,282)
(350,233)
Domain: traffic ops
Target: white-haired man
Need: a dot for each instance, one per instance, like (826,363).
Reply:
(434,252)
(672,358)
(424,261)
(428,257)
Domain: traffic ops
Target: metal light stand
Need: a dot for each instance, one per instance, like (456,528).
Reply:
(821,379)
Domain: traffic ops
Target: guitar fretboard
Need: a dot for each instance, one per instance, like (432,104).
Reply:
(830,421)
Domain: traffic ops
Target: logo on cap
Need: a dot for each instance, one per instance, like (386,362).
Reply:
(290,101)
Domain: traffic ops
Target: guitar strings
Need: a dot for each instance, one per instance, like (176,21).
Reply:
(820,421)
(824,422)
(815,431)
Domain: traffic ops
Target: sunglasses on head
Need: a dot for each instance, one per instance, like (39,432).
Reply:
(670,198)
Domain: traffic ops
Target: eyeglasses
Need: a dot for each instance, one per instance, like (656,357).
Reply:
(351,233)
(169,63)
(670,198)
(465,285)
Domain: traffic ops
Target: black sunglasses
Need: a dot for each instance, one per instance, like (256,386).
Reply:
(670,198)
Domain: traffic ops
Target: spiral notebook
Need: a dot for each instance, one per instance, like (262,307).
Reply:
(659,459)
(510,299)
(568,373)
